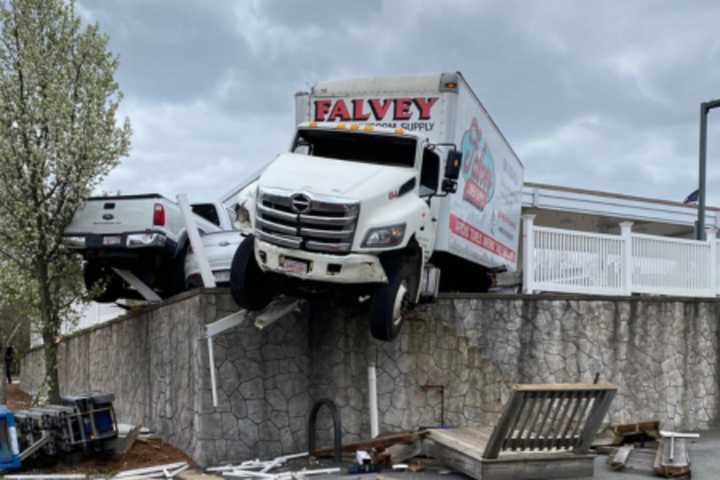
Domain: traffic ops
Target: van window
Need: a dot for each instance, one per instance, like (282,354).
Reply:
(430,173)
(357,147)
(207,211)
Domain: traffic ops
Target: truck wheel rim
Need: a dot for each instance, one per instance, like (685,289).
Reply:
(399,304)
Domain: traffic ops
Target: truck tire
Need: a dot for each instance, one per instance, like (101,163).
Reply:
(177,283)
(250,287)
(391,300)
(94,274)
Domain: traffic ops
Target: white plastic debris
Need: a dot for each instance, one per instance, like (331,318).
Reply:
(159,471)
(363,457)
(251,469)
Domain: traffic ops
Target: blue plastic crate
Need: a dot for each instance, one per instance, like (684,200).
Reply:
(9,449)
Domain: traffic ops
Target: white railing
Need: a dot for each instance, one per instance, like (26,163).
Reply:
(557,260)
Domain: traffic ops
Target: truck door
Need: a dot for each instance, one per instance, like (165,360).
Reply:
(429,186)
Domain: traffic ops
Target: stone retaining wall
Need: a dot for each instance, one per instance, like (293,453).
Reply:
(662,354)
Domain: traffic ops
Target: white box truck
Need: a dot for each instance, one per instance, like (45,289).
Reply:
(389,182)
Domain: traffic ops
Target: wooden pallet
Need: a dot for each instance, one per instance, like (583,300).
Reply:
(545,432)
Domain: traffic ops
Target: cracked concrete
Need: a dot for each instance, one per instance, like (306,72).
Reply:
(661,353)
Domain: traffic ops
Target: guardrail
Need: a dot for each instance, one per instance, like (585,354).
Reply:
(557,260)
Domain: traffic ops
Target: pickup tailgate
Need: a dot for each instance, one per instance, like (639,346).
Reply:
(115,215)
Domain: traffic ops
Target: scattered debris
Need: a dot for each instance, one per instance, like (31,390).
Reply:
(281,476)
(402,452)
(631,433)
(83,423)
(126,438)
(620,458)
(672,458)
(378,444)
(159,471)
(262,466)
(544,431)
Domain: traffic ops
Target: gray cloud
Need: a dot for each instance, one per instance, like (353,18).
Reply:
(600,95)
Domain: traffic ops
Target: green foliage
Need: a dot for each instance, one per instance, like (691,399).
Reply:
(59,136)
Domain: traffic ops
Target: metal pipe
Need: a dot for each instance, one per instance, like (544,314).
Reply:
(213,380)
(700,229)
(705,107)
(373,401)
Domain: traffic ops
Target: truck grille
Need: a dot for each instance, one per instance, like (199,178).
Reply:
(299,221)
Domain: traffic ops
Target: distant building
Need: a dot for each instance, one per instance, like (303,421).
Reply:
(601,212)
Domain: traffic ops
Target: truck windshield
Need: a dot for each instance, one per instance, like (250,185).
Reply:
(357,147)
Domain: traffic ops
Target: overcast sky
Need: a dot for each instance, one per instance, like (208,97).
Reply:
(591,94)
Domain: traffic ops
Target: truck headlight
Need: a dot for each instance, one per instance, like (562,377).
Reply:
(74,242)
(389,236)
(242,217)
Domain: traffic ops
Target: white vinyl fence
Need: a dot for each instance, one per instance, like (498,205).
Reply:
(557,260)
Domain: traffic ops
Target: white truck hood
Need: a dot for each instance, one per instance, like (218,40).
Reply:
(325,176)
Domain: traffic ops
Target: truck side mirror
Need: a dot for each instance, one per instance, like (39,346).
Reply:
(453,164)
(452,171)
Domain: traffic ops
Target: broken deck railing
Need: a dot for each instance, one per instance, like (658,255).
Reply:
(569,261)
(550,417)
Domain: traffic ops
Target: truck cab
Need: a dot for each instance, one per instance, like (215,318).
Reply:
(349,205)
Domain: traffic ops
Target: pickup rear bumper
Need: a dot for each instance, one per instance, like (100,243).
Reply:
(128,240)
(353,268)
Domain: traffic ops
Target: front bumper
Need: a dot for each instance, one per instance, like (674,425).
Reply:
(353,268)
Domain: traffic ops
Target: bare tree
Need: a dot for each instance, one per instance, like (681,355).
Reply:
(59,136)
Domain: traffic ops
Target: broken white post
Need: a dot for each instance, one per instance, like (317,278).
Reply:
(142,288)
(213,379)
(372,401)
(626,233)
(211,330)
(528,253)
(195,241)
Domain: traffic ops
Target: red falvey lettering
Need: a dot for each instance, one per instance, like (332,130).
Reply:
(379,109)
(358,114)
(424,105)
(339,112)
(322,107)
(402,109)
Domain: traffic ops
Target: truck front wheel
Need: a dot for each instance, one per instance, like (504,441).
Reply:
(250,287)
(391,301)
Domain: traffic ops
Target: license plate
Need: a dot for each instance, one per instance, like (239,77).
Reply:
(295,266)
(111,241)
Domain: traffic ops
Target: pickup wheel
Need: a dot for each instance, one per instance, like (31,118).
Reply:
(251,288)
(110,285)
(177,283)
(391,301)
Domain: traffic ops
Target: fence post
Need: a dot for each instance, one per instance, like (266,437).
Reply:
(528,253)
(626,233)
(711,238)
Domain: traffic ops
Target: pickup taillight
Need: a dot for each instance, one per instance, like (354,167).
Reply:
(159,215)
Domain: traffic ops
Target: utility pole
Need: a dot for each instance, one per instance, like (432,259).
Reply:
(705,107)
